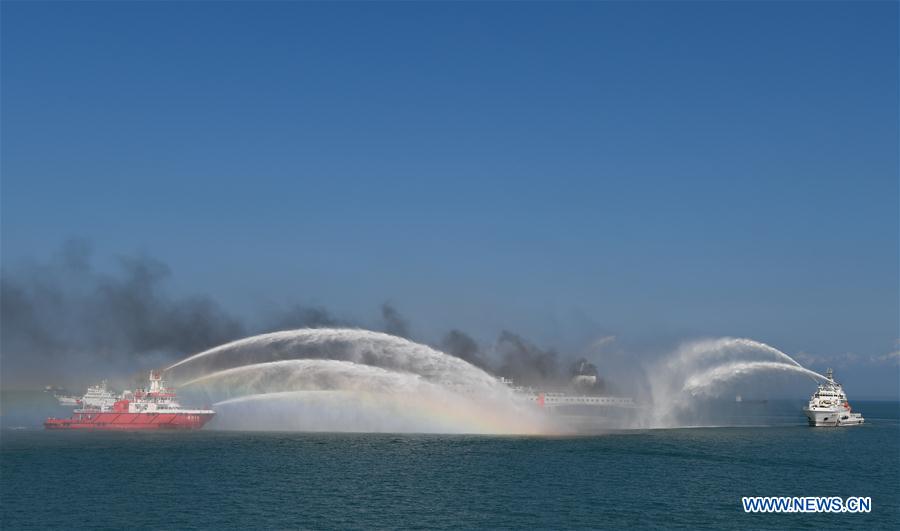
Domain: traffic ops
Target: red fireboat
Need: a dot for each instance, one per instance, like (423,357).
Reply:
(151,409)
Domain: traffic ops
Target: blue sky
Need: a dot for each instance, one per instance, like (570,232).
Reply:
(655,171)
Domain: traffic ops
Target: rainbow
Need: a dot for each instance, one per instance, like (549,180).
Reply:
(448,414)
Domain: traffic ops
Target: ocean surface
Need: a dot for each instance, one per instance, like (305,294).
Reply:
(678,478)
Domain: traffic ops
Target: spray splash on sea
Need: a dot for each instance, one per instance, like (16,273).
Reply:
(355,380)
(703,370)
(352,380)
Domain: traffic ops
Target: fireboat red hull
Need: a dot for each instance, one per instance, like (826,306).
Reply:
(130,421)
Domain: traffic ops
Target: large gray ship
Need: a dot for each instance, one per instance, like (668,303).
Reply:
(582,412)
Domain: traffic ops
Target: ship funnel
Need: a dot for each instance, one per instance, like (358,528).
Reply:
(155,381)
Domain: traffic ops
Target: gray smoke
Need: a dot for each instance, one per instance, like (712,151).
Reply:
(526,363)
(64,314)
(300,316)
(458,343)
(63,318)
(581,369)
(394,323)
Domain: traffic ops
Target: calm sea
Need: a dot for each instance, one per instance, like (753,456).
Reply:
(683,478)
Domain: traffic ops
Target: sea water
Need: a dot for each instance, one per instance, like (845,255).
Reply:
(667,478)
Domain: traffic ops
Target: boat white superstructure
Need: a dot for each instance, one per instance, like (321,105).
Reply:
(62,396)
(829,406)
(98,397)
(68,401)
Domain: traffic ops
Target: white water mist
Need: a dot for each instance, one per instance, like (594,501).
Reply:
(711,381)
(704,369)
(358,346)
(353,380)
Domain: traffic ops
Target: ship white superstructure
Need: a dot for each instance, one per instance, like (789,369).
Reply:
(68,401)
(828,406)
(98,397)
(62,396)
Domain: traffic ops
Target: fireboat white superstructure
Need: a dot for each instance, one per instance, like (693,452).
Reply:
(829,406)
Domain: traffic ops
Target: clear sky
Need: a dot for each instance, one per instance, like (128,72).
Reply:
(655,171)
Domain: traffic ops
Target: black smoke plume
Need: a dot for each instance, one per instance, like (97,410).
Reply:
(459,344)
(394,323)
(63,320)
(300,316)
(63,315)
(524,362)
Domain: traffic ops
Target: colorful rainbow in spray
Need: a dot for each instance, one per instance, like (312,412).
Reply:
(430,414)
(400,400)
